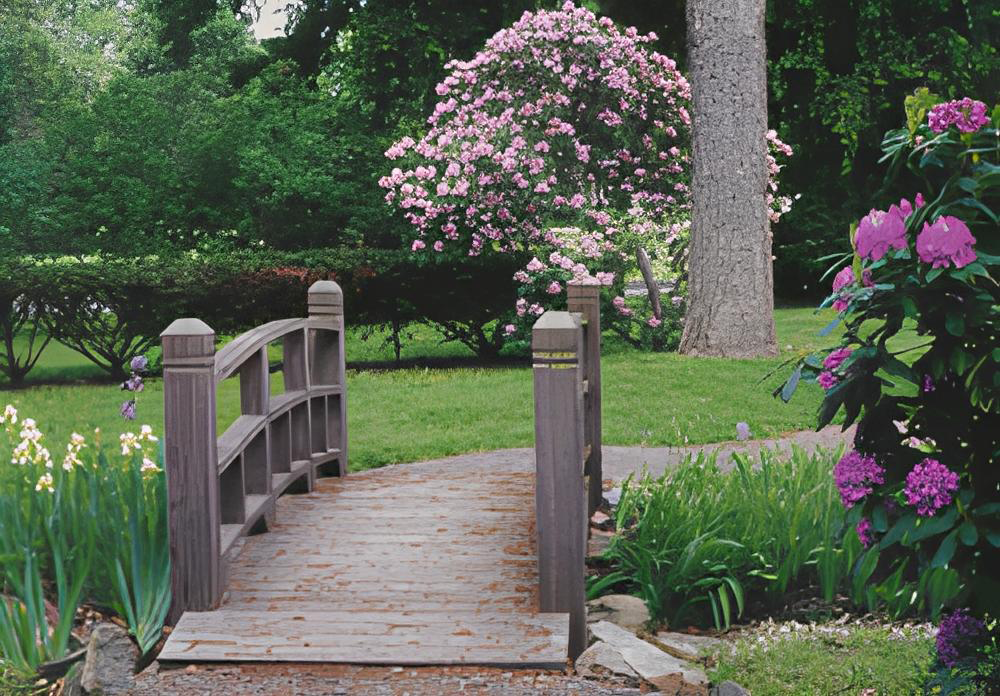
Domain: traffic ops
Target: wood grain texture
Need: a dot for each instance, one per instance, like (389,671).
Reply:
(431,563)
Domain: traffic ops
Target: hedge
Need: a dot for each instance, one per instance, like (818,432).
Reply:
(112,308)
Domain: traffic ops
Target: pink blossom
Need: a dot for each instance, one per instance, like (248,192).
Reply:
(535,265)
(836,358)
(880,231)
(605,278)
(654,322)
(946,242)
(417,245)
(554,288)
(509,329)
(522,277)
(438,245)
(968,115)
(827,379)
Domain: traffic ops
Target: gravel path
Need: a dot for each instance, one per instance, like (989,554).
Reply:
(309,679)
(331,680)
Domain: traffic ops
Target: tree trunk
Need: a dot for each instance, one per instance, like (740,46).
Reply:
(731,283)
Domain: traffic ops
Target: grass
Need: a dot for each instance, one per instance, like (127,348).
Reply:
(870,660)
(420,413)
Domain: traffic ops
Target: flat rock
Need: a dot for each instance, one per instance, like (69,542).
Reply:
(600,659)
(650,662)
(728,688)
(622,610)
(687,643)
(109,668)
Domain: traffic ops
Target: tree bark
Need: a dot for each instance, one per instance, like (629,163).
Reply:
(731,283)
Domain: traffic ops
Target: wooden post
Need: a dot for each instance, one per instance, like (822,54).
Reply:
(192,467)
(586,299)
(327,359)
(560,502)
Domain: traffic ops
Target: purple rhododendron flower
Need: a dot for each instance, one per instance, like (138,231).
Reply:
(880,231)
(968,115)
(139,363)
(864,530)
(959,636)
(947,241)
(928,384)
(842,280)
(827,379)
(929,486)
(855,474)
(133,384)
(742,431)
(836,358)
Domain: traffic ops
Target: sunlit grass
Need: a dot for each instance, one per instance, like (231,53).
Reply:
(418,413)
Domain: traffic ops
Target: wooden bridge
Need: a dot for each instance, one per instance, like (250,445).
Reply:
(446,562)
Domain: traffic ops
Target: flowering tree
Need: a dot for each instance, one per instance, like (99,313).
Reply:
(922,479)
(556,137)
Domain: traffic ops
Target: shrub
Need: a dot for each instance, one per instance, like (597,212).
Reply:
(698,543)
(929,488)
(558,124)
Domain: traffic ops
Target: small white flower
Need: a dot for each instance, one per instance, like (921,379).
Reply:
(45,483)
(146,433)
(148,465)
(10,414)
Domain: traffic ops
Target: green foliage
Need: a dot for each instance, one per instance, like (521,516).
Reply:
(698,543)
(90,526)
(837,74)
(947,399)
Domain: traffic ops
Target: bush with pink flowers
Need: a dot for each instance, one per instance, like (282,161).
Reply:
(923,481)
(564,142)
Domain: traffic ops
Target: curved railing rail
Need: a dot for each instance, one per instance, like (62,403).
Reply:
(222,488)
(566,360)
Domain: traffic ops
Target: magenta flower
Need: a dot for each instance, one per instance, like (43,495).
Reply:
(929,486)
(959,636)
(968,115)
(855,476)
(827,379)
(842,280)
(880,231)
(864,531)
(837,357)
(417,245)
(946,242)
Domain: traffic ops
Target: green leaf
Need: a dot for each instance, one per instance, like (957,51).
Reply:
(946,550)
(791,385)
(903,525)
(934,525)
(955,324)
(879,520)
(993,538)
(968,534)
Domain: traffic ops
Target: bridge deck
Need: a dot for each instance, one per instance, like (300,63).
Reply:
(430,563)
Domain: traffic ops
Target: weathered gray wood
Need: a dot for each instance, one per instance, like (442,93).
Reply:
(328,359)
(190,459)
(437,567)
(403,638)
(232,355)
(254,386)
(317,428)
(257,465)
(560,499)
(281,444)
(295,361)
(586,299)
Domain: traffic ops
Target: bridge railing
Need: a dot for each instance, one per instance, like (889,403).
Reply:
(566,359)
(220,489)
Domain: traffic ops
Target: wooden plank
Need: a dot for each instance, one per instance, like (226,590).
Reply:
(405,638)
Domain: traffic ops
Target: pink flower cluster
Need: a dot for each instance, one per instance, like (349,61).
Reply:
(864,532)
(559,119)
(968,115)
(929,486)
(946,242)
(880,231)
(855,476)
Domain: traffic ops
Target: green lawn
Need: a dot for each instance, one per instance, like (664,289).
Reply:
(418,413)
(875,660)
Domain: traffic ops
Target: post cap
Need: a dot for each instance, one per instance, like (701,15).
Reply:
(557,332)
(189,326)
(326,297)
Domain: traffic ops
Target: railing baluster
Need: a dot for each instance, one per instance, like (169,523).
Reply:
(560,499)
(328,361)
(190,459)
